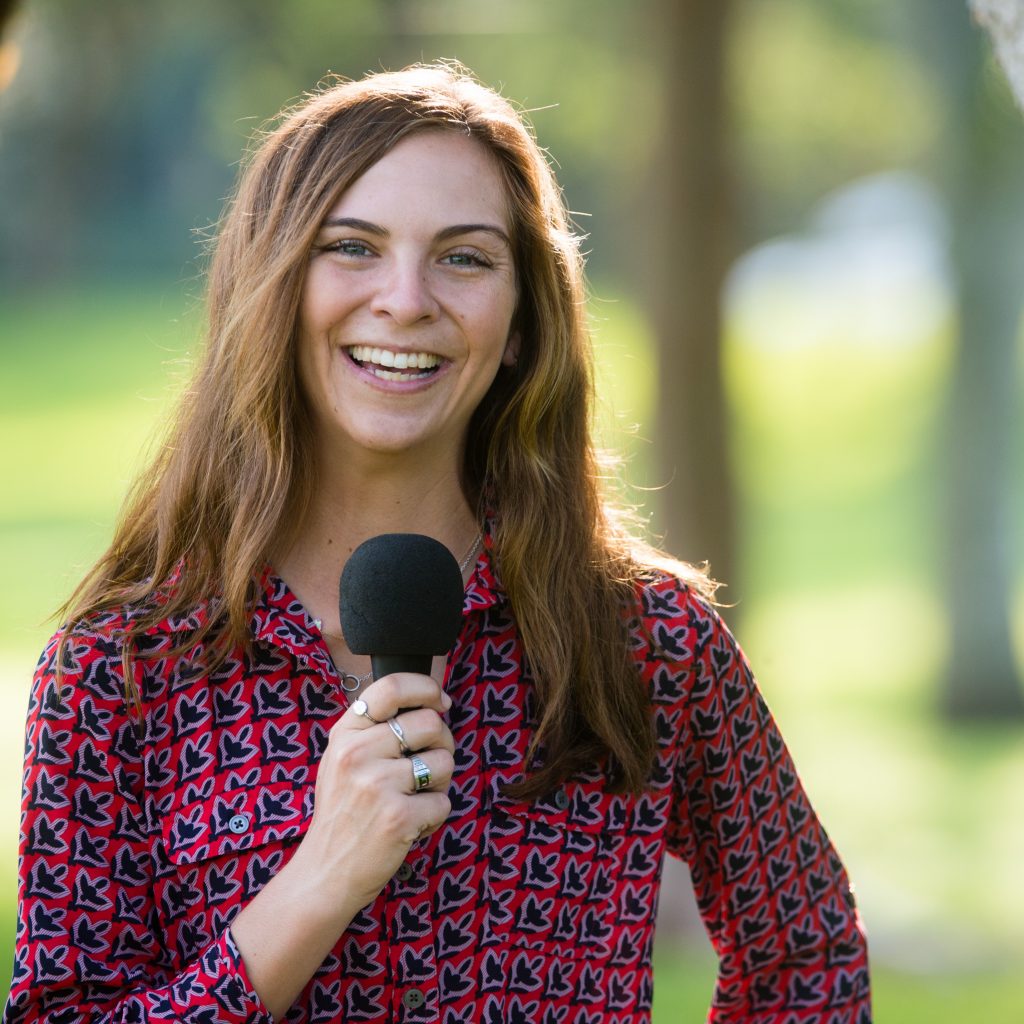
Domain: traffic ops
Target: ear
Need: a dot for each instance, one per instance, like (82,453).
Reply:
(511,354)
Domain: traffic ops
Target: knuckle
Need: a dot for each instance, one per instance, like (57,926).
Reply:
(445,762)
(384,693)
(426,723)
(393,816)
(344,755)
(347,751)
(339,730)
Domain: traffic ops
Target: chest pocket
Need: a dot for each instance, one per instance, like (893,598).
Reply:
(219,851)
(557,868)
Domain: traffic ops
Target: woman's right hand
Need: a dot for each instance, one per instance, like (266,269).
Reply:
(366,814)
(367,811)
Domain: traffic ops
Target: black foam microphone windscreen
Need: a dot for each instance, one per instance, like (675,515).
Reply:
(400,599)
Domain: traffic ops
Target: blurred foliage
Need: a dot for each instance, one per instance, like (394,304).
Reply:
(853,102)
(121,132)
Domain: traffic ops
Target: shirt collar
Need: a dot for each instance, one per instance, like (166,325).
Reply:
(484,588)
(281,619)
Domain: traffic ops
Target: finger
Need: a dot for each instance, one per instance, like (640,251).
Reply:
(385,697)
(427,771)
(424,729)
(399,733)
(431,812)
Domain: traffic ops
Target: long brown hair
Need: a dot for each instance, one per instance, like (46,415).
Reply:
(239,452)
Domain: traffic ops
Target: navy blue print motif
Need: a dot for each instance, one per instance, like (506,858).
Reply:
(143,835)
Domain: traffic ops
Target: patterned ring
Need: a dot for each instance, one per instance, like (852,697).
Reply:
(400,736)
(360,708)
(420,773)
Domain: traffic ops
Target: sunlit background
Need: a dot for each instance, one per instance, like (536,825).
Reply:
(857,315)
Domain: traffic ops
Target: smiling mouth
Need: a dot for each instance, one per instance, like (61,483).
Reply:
(388,365)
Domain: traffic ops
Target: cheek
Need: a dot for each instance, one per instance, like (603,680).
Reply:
(309,364)
(493,318)
(312,311)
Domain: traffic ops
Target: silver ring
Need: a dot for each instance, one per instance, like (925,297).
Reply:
(360,708)
(400,735)
(421,776)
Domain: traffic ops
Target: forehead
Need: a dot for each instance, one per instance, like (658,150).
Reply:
(431,175)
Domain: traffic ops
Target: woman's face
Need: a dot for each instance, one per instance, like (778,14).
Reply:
(407,307)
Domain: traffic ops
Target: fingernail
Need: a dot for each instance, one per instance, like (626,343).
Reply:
(446,701)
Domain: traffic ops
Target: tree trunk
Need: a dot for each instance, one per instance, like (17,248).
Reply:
(691,208)
(6,10)
(986,161)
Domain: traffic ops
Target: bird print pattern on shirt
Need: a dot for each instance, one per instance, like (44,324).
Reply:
(143,835)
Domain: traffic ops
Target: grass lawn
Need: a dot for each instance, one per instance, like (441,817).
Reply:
(841,614)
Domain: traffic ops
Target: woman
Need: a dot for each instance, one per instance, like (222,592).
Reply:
(220,820)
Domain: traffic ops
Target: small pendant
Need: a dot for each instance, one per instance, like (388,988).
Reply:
(351,683)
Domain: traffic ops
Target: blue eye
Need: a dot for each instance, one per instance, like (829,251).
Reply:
(349,247)
(465,259)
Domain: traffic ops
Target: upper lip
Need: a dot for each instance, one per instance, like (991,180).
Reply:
(399,359)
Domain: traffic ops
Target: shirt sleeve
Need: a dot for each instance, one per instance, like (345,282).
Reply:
(771,889)
(88,944)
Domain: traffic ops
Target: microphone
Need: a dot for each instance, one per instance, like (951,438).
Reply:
(400,599)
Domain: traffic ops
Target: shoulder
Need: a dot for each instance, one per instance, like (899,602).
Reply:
(676,604)
(92,654)
(682,646)
(81,663)
(79,712)
(97,636)
(150,618)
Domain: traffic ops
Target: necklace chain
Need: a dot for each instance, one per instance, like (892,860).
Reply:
(463,565)
(352,683)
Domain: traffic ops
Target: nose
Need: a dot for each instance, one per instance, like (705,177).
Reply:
(404,293)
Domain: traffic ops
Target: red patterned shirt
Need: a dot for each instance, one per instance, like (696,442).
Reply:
(143,834)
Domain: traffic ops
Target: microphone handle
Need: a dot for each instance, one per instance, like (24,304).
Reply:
(385,664)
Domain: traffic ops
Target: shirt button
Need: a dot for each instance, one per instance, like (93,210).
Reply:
(239,824)
(414,999)
(562,800)
(404,872)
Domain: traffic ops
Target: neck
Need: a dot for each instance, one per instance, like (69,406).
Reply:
(355,502)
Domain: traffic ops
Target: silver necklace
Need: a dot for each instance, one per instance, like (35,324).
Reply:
(464,564)
(356,682)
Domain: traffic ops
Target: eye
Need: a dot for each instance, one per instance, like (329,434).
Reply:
(349,247)
(465,258)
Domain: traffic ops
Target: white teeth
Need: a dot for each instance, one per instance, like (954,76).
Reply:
(373,358)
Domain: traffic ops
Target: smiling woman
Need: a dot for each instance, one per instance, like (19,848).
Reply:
(412,271)
(226,819)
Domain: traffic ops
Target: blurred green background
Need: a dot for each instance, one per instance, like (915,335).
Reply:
(874,160)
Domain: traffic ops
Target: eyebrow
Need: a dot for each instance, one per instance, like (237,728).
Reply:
(450,232)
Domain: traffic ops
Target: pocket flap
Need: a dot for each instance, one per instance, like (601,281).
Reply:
(580,805)
(237,819)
